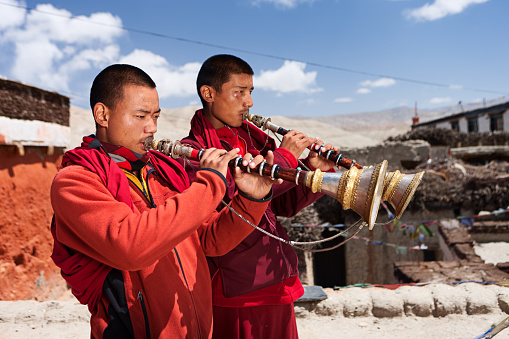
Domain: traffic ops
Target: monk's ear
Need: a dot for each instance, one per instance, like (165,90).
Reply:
(101,114)
(207,93)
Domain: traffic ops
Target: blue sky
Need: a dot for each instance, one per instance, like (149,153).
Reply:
(310,57)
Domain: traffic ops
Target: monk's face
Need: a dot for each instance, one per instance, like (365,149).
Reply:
(228,106)
(134,118)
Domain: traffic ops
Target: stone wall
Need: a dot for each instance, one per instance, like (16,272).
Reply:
(19,101)
(399,154)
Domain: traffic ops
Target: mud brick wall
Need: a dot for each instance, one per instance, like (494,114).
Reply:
(19,101)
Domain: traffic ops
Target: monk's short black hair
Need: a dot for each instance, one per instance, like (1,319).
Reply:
(217,70)
(108,85)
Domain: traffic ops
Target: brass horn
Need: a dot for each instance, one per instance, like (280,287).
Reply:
(398,188)
(357,189)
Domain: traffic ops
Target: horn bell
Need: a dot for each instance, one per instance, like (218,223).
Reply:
(399,189)
(357,189)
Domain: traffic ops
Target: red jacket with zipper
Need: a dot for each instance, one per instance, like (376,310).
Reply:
(159,284)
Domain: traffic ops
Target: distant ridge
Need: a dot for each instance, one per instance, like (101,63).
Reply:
(343,130)
(398,116)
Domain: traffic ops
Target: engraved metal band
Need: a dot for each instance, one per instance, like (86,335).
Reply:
(249,168)
(273,169)
(262,167)
(338,160)
(238,161)
(328,154)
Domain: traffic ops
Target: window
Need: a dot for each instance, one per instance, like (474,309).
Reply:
(455,125)
(473,126)
(496,122)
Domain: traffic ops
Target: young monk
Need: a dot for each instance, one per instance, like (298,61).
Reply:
(254,285)
(130,230)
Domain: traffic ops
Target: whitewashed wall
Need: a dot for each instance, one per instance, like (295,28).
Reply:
(484,123)
(33,133)
(463,125)
(444,124)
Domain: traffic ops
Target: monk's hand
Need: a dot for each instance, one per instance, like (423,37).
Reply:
(318,161)
(253,184)
(217,159)
(296,142)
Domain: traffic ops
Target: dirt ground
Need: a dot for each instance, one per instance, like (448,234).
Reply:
(69,319)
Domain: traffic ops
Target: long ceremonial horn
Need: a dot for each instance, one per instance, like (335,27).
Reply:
(398,188)
(357,189)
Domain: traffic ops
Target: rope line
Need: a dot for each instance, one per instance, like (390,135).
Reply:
(296,244)
(266,55)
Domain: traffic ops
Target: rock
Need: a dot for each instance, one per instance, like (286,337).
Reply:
(301,311)
(447,300)
(357,302)
(386,303)
(480,299)
(332,306)
(417,301)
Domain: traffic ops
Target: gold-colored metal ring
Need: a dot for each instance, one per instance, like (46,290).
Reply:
(347,198)
(409,192)
(394,181)
(316,184)
(353,184)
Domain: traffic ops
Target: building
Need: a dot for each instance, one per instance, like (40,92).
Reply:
(34,132)
(490,116)
(31,116)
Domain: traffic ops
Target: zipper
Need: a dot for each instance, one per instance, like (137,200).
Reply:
(149,195)
(146,193)
(190,294)
(144,309)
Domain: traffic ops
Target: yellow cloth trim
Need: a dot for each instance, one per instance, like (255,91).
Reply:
(142,185)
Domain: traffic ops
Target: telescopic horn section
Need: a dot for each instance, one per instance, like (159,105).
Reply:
(357,189)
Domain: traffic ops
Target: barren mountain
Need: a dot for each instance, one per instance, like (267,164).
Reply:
(345,131)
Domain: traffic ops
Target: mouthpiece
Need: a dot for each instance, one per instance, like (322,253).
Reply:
(150,143)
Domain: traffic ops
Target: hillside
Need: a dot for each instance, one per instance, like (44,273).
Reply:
(345,131)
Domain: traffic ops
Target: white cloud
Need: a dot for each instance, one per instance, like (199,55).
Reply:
(440,100)
(382,82)
(440,9)
(49,66)
(58,26)
(11,16)
(363,90)
(343,100)
(49,48)
(170,80)
(283,3)
(91,58)
(289,78)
